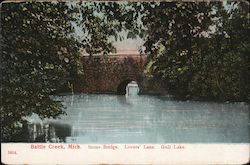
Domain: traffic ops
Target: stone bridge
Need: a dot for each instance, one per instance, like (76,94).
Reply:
(112,73)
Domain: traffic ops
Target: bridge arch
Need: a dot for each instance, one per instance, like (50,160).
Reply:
(121,89)
(111,74)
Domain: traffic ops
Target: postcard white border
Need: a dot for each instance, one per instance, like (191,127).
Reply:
(22,153)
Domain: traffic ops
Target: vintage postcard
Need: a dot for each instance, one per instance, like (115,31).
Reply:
(125,82)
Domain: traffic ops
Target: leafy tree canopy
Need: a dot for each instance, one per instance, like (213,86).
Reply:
(40,53)
(201,50)
(198,49)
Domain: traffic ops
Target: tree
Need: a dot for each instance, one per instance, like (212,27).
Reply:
(174,31)
(224,73)
(199,49)
(40,54)
(37,50)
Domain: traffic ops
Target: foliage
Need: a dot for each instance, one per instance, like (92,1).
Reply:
(96,25)
(224,71)
(200,50)
(40,54)
(37,56)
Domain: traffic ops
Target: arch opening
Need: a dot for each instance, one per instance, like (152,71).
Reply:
(128,87)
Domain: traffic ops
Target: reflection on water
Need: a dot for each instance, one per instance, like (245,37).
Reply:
(48,132)
(143,119)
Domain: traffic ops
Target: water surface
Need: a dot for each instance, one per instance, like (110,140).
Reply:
(93,118)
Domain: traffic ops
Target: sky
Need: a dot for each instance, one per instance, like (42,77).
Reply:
(126,46)
(131,46)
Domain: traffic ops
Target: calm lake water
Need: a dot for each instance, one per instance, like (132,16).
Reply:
(99,118)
